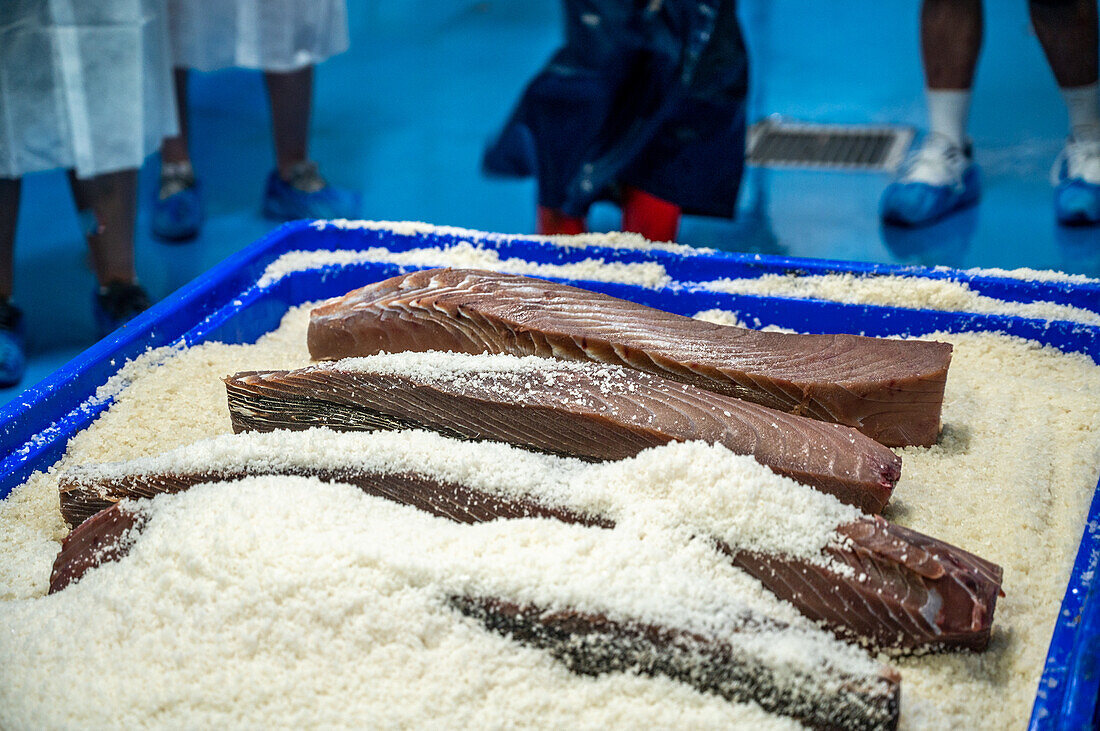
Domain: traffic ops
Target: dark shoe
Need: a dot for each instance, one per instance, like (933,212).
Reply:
(307,195)
(13,361)
(116,304)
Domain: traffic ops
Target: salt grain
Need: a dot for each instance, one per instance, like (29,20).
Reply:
(895,291)
(612,240)
(468,256)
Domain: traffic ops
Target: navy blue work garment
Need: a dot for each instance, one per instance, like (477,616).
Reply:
(649,94)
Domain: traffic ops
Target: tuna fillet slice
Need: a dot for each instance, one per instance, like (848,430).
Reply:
(899,590)
(874,582)
(595,412)
(891,390)
(86,493)
(815,685)
(102,538)
(594,644)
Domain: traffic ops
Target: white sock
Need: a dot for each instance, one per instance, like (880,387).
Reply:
(948,110)
(1083,105)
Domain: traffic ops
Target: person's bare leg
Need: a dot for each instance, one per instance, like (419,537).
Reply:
(1067,31)
(175,149)
(112,200)
(9,214)
(950,41)
(297,189)
(940,177)
(291,97)
(1068,34)
(177,211)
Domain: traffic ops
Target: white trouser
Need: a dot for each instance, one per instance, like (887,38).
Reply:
(273,35)
(84,85)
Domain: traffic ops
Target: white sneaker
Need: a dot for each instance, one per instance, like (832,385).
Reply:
(1077,161)
(938,162)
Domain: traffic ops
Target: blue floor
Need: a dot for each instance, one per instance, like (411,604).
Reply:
(404,115)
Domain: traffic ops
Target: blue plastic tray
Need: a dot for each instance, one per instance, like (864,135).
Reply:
(225,304)
(701,265)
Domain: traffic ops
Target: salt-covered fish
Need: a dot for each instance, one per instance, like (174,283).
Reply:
(891,587)
(587,410)
(86,492)
(867,579)
(594,644)
(891,390)
(102,538)
(794,671)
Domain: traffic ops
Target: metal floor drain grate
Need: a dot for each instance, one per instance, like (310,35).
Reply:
(776,143)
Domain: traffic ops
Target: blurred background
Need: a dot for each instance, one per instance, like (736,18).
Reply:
(404,117)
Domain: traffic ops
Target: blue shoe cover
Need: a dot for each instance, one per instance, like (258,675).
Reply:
(918,204)
(1077,202)
(179,216)
(284,202)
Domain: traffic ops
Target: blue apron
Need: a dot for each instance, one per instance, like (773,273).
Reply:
(647,94)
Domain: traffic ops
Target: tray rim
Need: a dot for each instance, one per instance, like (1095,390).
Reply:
(1085,295)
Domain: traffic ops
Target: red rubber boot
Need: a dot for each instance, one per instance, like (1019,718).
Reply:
(650,216)
(552,222)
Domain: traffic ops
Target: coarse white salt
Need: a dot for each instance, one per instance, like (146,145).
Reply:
(687,487)
(721,317)
(889,290)
(444,365)
(467,256)
(612,240)
(501,373)
(725,317)
(288,601)
(1029,275)
(897,291)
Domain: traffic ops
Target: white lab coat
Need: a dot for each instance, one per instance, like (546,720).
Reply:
(272,35)
(83,84)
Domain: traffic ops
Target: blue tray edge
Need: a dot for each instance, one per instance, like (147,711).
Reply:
(1076,294)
